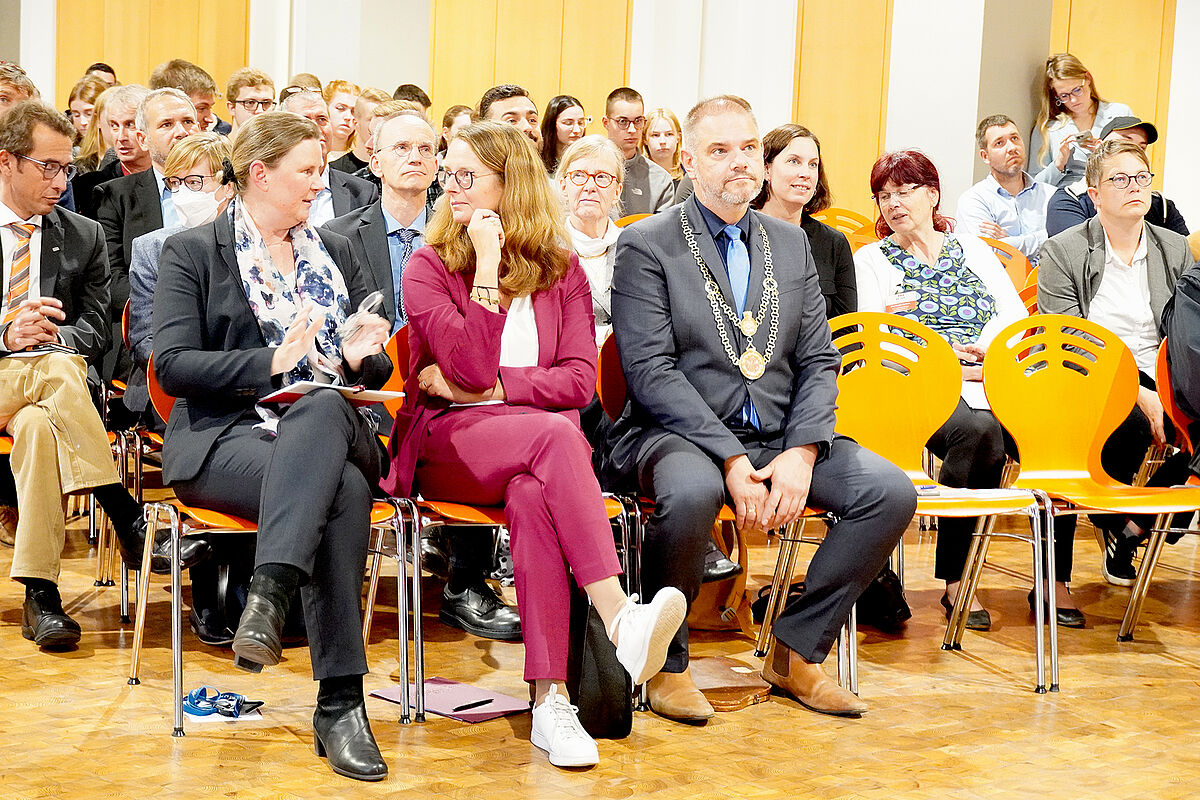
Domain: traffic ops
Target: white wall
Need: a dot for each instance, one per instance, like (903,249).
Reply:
(1181,179)
(933,85)
(39,45)
(664,53)
(270,39)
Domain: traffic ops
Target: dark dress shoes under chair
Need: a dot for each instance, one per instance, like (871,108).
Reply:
(979,620)
(130,542)
(808,684)
(479,610)
(44,622)
(718,566)
(1066,617)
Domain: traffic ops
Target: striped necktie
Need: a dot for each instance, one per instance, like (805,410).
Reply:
(18,280)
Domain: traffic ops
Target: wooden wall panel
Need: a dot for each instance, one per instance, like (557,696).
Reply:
(528,51)
(134,36)
(1131,63)
(842,55)
(592,64)
(463,53)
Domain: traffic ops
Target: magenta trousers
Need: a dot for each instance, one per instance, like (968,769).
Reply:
(538,465)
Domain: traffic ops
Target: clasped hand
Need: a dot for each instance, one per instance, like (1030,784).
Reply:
(368,340)
(757,507)
(973,353)
(34,324)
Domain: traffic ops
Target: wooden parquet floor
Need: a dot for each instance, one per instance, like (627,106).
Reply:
(941,724)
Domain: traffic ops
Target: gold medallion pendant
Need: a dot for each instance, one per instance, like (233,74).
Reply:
(752,364)
(747,325)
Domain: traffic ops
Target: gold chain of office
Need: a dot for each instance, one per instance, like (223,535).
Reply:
(751,363)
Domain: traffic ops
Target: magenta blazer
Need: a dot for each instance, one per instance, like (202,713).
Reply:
(463,337)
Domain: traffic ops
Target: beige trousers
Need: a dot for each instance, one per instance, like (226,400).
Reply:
(59,447)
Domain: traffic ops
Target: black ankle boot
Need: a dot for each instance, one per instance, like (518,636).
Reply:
(342,732)
(257,641)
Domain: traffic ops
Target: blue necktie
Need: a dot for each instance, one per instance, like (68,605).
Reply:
(169,214)
(406,237)
(737,264)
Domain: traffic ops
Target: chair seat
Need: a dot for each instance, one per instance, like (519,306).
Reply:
(6,444)
(491,515)
(214,519)
(952,502)
(1088,493)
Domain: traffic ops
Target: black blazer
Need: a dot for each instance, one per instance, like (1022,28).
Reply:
(679,376)
(84,186)
(371,260)
(208,349)
(75,270)
(126,208)
(835,266)
(348,192)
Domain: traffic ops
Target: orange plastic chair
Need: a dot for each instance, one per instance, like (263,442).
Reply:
(1015,262)
(1031,279)
(184,519)
(861,237)
(427,514)
(889,356)
(629,219)
(1028,296)
(844,220)
(1061,385)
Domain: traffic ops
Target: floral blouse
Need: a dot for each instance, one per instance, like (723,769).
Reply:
(948,296)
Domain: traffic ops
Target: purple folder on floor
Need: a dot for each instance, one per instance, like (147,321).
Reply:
(460,701)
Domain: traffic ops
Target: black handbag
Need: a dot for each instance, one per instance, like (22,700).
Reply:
(882,604)
(596,681)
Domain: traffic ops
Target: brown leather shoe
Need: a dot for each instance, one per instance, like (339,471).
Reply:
(8,525)
(674,695)
(807,682)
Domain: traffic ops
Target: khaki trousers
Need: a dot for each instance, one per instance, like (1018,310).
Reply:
(59,447)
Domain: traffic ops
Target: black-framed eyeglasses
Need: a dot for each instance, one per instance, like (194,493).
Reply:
(623,123)
(580,178)
(51,168)
(193,182)
(253,105)
(463,177)
(1121,180)
(1063,97)
(404,149)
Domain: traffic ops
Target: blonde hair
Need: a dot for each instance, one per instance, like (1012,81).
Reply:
(535,254)
(334,88)
(1059,67)
(267,137)
(207,147)
(245,77)
(1105,152)
(87,89)
(654,116)
(92,146)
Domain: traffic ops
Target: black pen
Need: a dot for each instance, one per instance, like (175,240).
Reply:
(476,704)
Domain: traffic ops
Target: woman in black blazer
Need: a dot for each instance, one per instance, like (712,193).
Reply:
(244,305)
(795,189)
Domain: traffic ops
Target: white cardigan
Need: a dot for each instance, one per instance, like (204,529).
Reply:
(879,287)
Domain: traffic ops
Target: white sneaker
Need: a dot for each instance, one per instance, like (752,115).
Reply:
(643,632)
(556,730)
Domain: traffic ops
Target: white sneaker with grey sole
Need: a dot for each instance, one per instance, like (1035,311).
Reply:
(643,632)
(556,729)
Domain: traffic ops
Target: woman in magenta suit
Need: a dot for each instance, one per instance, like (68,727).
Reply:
(502,357)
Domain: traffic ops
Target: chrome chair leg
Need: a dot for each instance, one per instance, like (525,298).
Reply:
(402,607)
(142,587)
(176,621)
(1039,609)
(124,593)
(785,566)
(418,624)
(1141,586)
(376,551)
(1046,536)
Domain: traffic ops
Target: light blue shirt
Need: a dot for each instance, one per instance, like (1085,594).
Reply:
(166,199)
(322,207)
(1023,217)
(396,247)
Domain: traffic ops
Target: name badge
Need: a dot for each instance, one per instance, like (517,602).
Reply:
(905,301)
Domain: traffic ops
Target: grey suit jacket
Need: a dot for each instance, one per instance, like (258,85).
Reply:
(126,208)
(1072,266)
(680,378)
(371,260)
(349,192)
(143,276)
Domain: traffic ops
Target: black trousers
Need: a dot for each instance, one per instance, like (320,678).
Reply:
(873,500)
(973,445)
(309,488)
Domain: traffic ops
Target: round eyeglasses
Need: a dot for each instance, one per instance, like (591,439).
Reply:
(603,180)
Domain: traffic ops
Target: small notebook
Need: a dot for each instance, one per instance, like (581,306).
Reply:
(357,395)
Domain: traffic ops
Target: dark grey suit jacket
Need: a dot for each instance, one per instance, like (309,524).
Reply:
(126,208)
(369,251)
(84,186)
(208,349)
(680,379)
(74,269)
(349,192)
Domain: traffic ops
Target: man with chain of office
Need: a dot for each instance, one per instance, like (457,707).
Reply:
(723,339)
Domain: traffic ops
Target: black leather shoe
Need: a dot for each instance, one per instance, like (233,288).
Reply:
(976,620)
(1065,617)
(349,745)
(257,641)
(44,622)
(434,559)
(480,611)
(717,566)
(192,550)
(208,631)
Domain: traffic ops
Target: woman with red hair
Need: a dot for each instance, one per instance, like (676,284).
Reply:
(956,285)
